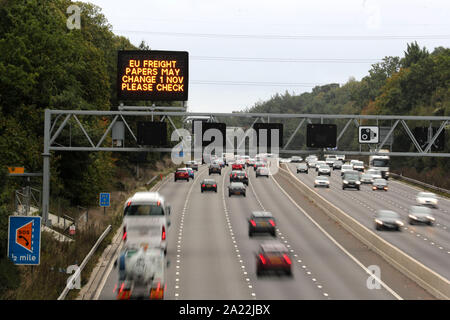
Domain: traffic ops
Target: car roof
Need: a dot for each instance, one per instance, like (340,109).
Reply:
(273,246)
(420,209)
(262,214)
(387,213)
(209,180)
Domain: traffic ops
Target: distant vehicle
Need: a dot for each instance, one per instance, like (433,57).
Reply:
(262,171)
(190,172)
(302,167)
(321,181)
(420,214)
(209,185)
(238,165)
(259,164)
(251,162)
(181,174)
(312,164)
(319,163)
(311,158)
(141,273)
(340,157)
(375,173)
(273,256)
(366,178)
(427,199)
(380,162)
(146,221)
(239,176)
(345,168)
(236,188)
(337,164)
(261,222)
(358,166)
(351,179)
(324,169)
(379,184)
(192,164)
(215,168)
(387,219)
(296,159)
(330,160)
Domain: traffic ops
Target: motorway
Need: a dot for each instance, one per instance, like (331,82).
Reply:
(428,244)
(212,257)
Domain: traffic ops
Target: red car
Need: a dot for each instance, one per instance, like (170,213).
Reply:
(182,174)
(273,256)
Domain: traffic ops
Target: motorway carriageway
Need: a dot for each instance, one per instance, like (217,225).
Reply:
(212,257)
(430,245)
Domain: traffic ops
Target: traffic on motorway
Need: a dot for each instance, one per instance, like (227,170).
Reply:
(273,250)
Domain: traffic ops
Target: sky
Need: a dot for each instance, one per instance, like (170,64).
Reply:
(244,52)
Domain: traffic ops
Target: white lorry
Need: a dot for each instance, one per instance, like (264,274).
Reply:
(380,162)
(141,274)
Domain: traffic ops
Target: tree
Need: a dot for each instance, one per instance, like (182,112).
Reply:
(413,54)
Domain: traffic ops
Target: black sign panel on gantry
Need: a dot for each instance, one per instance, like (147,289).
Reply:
(152,133)
(152,75)
(222,127)
(321,135)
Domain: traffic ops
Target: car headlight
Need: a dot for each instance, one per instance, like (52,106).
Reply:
(412,217)
(399,223)
(430,218)
(345,181)
(378,221)
(387,173)
(358,182)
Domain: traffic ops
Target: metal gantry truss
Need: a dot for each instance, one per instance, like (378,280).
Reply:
(91,143)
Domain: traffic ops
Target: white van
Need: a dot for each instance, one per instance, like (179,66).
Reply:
(146,221)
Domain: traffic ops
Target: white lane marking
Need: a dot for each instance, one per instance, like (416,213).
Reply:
(397,296)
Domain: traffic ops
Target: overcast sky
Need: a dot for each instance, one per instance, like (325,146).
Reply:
(285,44)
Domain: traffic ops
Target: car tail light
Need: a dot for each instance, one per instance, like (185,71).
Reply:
(287,259)
(235,175)
(374,188)
(253,223)
(203,185)
(214,185)
(246,175)
(129,203)
(272,222)
(124,233)
(263,260)
(163,235)
(231,175)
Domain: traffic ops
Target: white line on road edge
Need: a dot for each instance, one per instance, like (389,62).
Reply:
(338,245)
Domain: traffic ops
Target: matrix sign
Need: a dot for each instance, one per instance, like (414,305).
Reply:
(153,75)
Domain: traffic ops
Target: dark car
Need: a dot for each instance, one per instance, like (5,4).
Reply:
(239,176)
(236,188)
(351,179)
(273,256)
(302,167)
(379,184)
(337,164)
(182,174)
(209,185)
(215,168)
(261,222)
(387,219)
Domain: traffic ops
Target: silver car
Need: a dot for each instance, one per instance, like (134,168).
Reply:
(387,219)
(420,214)
(427,199)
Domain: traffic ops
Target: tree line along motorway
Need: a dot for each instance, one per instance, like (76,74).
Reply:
(212,257)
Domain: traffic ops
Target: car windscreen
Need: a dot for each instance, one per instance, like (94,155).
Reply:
(354,176)
(380,162)
(144,210)
(427,195)
(387,214)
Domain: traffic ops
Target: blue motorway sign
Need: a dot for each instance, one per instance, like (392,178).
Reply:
(104,199)
(24,240)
